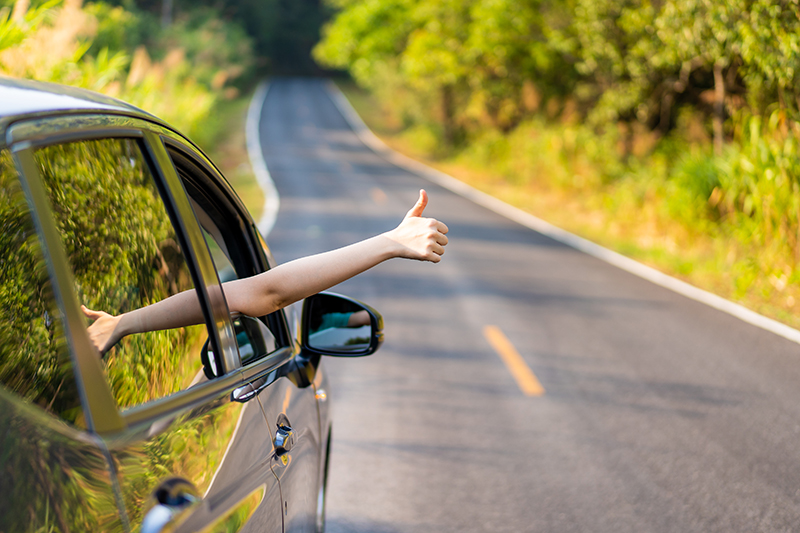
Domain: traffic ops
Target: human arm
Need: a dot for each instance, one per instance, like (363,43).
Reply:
(416,237)
(359,318)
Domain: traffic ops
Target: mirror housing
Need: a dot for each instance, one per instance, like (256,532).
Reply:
(340,326)
(254,340)
(211,366)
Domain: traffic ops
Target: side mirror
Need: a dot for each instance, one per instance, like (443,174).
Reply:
(340,326)
(211,367)
(253,338)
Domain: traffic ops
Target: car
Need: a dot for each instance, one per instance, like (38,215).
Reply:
(220,426)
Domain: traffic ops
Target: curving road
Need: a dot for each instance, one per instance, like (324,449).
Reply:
(660,413)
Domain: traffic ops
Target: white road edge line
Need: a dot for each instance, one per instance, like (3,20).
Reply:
(272,201)
(230,443)
(545,228)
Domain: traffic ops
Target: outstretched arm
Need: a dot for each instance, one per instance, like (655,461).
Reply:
(416,237)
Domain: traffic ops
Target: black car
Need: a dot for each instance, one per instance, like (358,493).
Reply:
(222,426)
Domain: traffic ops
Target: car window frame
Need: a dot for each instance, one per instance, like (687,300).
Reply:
(103,416)
(258,256)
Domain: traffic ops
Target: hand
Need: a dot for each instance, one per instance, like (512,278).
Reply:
(102,332)
(420,238)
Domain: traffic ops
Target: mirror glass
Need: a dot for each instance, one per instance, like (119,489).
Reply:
(255,340)
(338,325)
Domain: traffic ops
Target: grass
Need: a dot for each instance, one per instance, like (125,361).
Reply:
(638,215)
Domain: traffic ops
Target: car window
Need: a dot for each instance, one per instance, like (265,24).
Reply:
(124,253)
(232,253)
(34,356)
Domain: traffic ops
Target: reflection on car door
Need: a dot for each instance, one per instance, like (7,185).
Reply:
(297,464)
(190,458)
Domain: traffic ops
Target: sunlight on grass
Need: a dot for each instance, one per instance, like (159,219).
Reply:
(551,171)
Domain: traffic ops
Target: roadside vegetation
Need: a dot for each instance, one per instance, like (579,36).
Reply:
(179,73)
(667,131)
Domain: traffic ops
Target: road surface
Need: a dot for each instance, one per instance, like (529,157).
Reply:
(659,413)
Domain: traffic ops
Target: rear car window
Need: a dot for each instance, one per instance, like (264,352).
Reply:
(125,253)
(34,355)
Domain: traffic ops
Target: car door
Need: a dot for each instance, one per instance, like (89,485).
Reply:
(185,456)
(288,398)
(53,474)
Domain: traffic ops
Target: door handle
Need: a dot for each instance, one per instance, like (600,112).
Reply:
(168,503)
(284,438)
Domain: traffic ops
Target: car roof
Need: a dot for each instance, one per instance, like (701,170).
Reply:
(27,99)
(22,99)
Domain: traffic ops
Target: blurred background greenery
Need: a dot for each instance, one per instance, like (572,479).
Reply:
(664,129)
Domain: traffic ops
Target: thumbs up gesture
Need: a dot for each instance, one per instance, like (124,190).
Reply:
(418,237)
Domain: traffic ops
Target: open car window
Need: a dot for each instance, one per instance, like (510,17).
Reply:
(234,255)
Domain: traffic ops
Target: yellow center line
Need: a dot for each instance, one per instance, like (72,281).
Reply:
(526,379)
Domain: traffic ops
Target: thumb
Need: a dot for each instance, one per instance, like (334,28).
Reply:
(419,207)
(91,315)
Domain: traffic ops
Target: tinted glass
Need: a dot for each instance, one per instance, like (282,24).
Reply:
(34,358)
(125,254)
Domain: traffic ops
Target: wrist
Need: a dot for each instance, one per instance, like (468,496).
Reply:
(390,246)
(124,325)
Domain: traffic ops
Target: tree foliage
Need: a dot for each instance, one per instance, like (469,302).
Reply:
(178,73)
(467,62)
(629,60)
(622,95)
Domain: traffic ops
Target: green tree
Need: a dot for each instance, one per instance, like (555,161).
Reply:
(463,62)
(770,49)
(703,35)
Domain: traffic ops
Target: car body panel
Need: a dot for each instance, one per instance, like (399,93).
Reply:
(222,448)
(54,476)
(27,99)
(200,438)
(297,468)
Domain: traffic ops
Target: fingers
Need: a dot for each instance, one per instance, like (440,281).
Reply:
(437,240)
(435,247)
(419,207)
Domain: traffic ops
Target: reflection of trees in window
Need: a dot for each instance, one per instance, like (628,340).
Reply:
(52,479)
(34,359)
(124,254)
(43,471)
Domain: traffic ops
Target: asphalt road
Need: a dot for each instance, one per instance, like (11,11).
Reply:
(660,414)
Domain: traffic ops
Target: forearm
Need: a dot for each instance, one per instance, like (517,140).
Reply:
(180,310)
(262,294)
(298,279)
